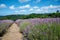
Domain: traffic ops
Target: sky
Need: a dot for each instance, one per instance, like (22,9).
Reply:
(9,7)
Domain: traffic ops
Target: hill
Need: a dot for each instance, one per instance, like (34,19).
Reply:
(33,15)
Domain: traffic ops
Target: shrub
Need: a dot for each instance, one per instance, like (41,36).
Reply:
(4,25)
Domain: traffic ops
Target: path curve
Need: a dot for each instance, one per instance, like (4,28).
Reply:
(13,33)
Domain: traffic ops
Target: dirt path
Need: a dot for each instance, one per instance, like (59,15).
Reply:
(13,33)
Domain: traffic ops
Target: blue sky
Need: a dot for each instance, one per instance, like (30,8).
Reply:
(9,7)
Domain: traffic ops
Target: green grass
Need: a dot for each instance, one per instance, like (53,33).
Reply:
(23,25)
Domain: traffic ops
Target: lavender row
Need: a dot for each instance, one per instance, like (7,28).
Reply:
(34,29)
(4,25)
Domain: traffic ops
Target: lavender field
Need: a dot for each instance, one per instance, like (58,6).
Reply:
(29,19)
(34,29)
(40,28)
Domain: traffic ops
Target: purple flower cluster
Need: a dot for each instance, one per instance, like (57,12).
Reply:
(18,21)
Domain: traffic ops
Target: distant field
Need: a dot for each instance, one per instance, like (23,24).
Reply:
(37,28)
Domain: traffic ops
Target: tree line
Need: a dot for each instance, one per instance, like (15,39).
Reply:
(33,15)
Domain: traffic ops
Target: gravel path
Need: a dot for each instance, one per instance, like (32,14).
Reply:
(13,33)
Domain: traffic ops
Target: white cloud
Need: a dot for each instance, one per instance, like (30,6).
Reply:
(12,7)
(31,9)
(50,7)
(35,7)
(23,7)
(3,6)
(38,10)
(22,1)
(22,11)
(44,9)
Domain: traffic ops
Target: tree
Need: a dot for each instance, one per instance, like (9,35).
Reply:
(57,11)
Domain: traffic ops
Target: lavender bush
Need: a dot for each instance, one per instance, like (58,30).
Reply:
(4,25)
(41,29)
